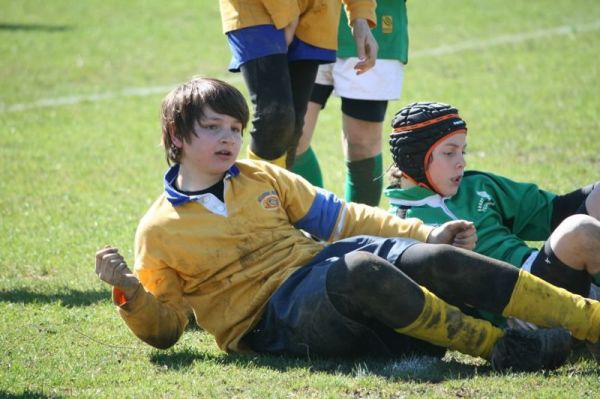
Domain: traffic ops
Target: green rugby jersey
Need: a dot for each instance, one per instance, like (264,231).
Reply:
(505,213)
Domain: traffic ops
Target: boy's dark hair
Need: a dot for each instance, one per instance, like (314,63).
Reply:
(185,104)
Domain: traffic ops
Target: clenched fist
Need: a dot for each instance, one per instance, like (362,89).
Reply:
(459,233)
(112,269)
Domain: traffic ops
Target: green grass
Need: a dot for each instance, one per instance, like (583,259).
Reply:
(77,176)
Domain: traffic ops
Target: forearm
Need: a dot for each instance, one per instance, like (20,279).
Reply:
(154,322)
(362,219)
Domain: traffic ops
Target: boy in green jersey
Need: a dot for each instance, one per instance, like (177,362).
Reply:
(429,182)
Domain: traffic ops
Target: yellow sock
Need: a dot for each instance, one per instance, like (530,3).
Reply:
(277,161)
(445,325)
(543,304)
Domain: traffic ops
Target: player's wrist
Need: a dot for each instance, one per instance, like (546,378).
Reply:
(130,288)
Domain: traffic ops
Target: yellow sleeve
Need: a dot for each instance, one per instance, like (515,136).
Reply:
(157,314)
(357,219)
(361,9)
(155,322)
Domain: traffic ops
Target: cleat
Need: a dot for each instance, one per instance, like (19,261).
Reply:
(585,350)
(594,350)
(533,350)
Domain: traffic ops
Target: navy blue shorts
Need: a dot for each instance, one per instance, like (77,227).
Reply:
(301,320)
(263,40)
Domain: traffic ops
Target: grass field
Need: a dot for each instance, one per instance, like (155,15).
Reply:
(80,87)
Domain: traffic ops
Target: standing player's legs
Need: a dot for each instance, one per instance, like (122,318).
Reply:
(307,163)
(302,78)
(364,104)
(273,123)
(362,123)
(279,79)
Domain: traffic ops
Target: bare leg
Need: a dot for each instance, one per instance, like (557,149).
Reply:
(310,123)
(361,139)
(576,241)
(362,149)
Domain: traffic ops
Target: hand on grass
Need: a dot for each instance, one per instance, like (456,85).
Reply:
(459,233)
(366,45)
(112,269)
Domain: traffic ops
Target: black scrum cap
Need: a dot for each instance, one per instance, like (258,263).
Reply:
(417,129)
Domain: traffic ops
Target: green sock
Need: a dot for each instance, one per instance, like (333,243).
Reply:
(307,166)
(364,182)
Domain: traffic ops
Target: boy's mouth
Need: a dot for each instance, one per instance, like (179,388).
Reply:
(456,179)
(224,153)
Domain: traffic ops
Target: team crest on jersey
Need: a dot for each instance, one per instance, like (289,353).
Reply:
(269,200)
(387,24)
(485,201)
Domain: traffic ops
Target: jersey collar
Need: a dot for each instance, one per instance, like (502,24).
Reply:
(175,197)
(413,196)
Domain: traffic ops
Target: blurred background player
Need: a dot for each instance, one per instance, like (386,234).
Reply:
(364,100)
(278,46)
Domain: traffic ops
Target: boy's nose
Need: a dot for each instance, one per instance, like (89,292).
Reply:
(228,135)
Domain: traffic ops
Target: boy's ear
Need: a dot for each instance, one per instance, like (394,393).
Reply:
(176,140)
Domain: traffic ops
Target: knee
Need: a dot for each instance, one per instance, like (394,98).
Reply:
(363,142)
(353,280)
(578,231)
(367,274)
(273,130)
(364,266)
(576,241)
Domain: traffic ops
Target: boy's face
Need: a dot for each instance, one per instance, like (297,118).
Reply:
(214,145)
(447,164)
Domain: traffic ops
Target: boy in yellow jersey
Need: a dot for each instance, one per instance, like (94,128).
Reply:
(224,241)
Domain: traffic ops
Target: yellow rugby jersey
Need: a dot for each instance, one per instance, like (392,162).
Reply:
(318,20)
(223,260)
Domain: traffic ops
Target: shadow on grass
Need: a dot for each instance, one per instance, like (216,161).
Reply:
(34,27)
(415,369)
(67,297)
(27,394)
